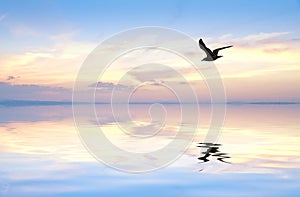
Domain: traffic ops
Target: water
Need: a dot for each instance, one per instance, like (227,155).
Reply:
(257,154)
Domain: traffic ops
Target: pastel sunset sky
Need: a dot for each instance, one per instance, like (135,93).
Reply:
(44,43)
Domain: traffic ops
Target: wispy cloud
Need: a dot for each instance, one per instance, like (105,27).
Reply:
(33,92)
(55,64)
(10,78)
(65,36)
(107,86)
(2,17)
(249,40)
(260,55)
(263,36)
(257,53)
(276,49)
(22,30)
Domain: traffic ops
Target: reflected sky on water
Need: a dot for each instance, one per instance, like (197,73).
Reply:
(257,154)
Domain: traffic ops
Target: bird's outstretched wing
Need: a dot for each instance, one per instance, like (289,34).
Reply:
(218,49)
(208,52)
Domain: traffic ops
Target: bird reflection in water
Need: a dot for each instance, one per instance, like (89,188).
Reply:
(212,150)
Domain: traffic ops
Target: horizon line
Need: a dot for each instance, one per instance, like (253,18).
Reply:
(52,103)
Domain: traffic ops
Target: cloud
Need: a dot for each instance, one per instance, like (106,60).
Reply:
(107,86)
(276,50)
(262,54)
(33,92)
(154,73)
(2,17)
(56,64)
(10,78)
(22,30)
(251,40)
(264,36)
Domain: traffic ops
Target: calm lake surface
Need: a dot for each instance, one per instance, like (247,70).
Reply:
(257,154)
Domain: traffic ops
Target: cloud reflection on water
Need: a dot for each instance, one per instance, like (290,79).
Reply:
(40,146)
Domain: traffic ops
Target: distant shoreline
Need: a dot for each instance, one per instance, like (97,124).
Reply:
(16,103)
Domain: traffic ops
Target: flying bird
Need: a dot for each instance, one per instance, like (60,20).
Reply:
(211,55)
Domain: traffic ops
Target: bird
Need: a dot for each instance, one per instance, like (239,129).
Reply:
(211,55)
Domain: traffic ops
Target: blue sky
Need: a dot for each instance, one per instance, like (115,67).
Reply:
(99,19)
(43,43)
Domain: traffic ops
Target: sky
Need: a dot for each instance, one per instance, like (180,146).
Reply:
(44,43)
